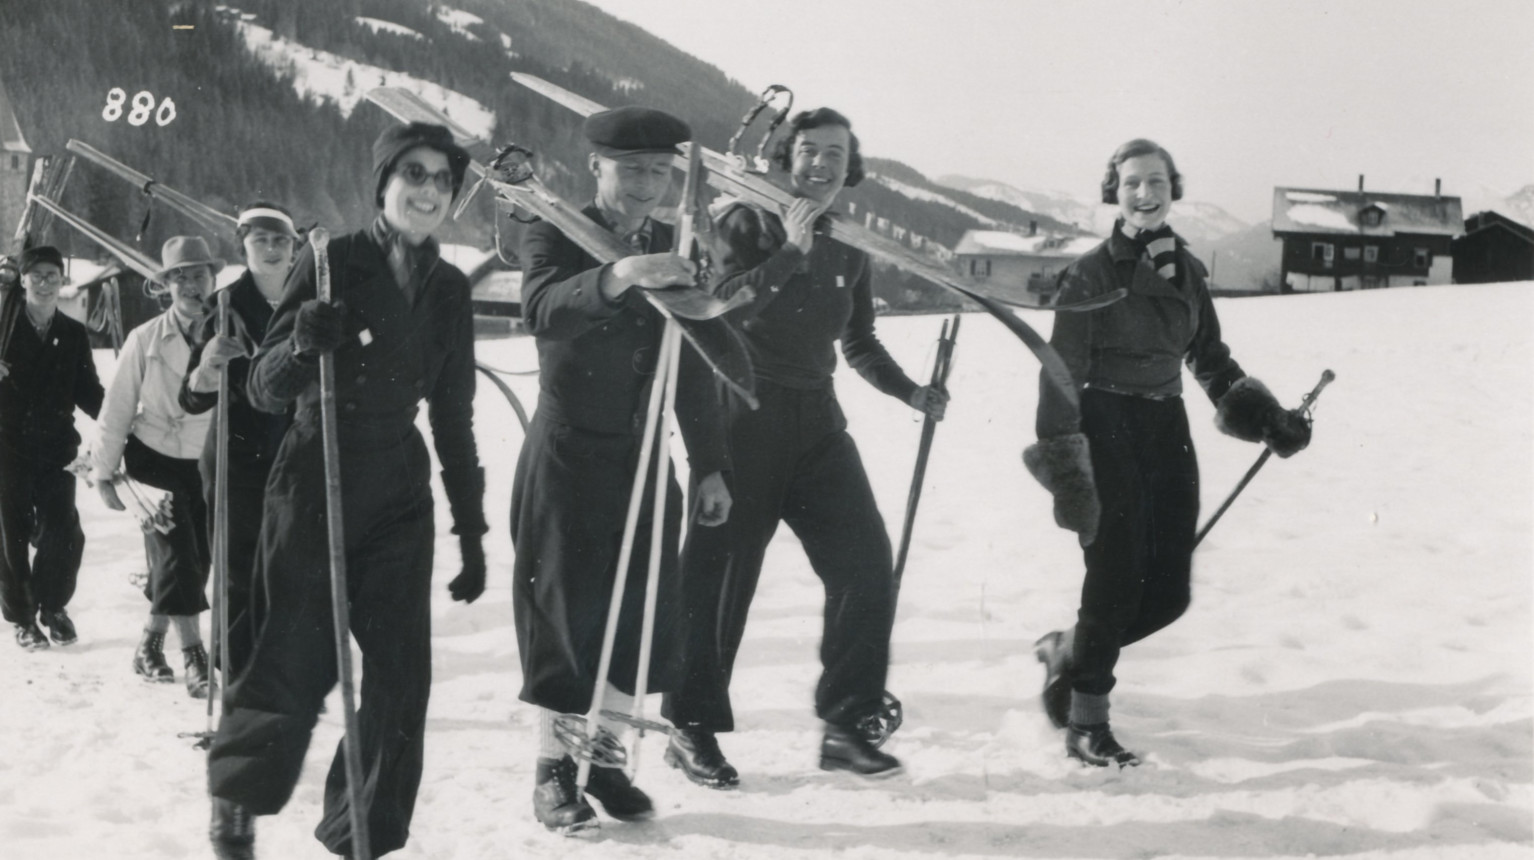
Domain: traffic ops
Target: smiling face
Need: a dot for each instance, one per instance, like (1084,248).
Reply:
(416,211)
(189,288)
(631,186)
(818,162)
(1145,191)
(268,252)
(42,283)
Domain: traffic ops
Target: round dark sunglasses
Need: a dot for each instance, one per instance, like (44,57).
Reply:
(415,174)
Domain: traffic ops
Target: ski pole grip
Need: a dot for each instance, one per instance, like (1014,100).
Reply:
(1326,379)
(319,239)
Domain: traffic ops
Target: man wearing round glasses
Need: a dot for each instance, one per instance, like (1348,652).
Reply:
(401,329)
(46,372)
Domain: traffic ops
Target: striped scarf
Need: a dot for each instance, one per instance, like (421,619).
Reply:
(1157,247)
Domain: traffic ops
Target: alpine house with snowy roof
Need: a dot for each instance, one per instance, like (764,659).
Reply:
(15,166)
(1351,240)
(1023,268)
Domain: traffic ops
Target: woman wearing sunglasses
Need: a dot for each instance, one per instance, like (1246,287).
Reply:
(401,329)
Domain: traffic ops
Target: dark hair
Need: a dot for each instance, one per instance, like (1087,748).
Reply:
(243,230)
(1133,149)
(783,150)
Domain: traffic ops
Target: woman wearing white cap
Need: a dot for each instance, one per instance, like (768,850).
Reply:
(144,429)
(268,241)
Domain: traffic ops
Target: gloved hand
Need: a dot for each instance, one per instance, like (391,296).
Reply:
(1063,464)
(216,355)
(470,584)
(320,328)
(933,402)
(1250,412)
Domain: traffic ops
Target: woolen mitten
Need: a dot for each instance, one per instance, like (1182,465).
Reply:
(1250,412)
(1063,464)
(469,584)
(319,328)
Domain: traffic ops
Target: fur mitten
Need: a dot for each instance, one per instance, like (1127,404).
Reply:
(1063,464)
(1250,412)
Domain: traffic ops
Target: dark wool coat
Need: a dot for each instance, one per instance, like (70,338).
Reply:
(47,380)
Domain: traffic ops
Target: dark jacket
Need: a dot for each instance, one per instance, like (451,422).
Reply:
(395,354)
(47,380)
(802,305)
(1138,344)
(596,358)
(253,434)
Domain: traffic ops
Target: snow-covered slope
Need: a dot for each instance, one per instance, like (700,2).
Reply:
(1353,679)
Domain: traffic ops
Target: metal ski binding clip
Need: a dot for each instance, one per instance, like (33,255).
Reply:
(758,162)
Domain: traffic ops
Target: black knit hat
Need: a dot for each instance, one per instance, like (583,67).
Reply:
(400,139)
(631,130)
(41,254)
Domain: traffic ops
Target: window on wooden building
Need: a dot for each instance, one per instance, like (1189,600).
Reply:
(1371,253)
(1351,253)
(1323,252)
(1420,258)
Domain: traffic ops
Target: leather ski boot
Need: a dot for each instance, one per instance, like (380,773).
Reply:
(29,637)
(1096,746)
(149,659)
(620,798)
(556,803)
(232,831)
(697,755)
(60,626)
(196,671)
(846,749)
(1057,678)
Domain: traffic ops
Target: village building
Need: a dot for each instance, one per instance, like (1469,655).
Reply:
(1020,268)
(15,170)
(1494,249)
(1352,240)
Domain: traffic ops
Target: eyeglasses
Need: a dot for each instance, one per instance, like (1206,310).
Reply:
(415,173)
(37,277)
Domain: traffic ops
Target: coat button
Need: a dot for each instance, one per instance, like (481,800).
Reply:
(639,322)
(362,378)
(351,406)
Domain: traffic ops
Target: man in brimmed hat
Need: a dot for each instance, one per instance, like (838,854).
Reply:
(46,371)
(144,429)
(597,347)
(401,328)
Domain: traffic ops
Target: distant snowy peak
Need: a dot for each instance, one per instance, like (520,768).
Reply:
(1519,205)
(1198,222)
(915,193)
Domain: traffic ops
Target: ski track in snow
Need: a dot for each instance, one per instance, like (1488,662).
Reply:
(1353,678)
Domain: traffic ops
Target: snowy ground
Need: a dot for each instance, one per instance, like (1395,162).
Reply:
(1354,678)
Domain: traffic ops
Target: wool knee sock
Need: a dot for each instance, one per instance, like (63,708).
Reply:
(157,624)
(1088,709)
(187,629)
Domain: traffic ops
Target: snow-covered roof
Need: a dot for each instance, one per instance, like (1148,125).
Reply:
(10,131)
(1000,243)
(1300,210)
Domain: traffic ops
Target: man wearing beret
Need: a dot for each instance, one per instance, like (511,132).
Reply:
(46,372)
(401,329)
(598,341)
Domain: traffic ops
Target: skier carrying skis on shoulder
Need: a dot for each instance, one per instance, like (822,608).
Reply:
(401,329)
(598,341)
(1125,477)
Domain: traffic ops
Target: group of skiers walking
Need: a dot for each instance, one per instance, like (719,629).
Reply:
(399,330)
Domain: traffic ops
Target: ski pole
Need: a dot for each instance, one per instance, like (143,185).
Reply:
(221,519)
(940,368)
(319,238)
(1305,406)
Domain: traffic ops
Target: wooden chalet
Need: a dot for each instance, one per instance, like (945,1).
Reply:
(1352,240)
(15,171)
(1495,248)
(1022,267)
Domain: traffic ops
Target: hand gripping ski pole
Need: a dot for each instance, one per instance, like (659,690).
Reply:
(1306,406)
(319,238)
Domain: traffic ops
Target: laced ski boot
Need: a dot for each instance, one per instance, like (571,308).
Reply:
(620,798)
(232,831)
(149,659)
(59,625)
(1057,677)
(29,637)
(1095,745)
(697,755)
(196,658)
(847,749)
(556,803)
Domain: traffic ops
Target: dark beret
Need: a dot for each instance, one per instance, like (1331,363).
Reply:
(629,130)
(400,139)
(41,254)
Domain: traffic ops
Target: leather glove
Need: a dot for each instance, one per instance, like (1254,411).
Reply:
(1250,412)
(470,584)
(1063,464)
(930,401)
(320,328)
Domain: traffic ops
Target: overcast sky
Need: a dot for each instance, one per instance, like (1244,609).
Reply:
(1245,94)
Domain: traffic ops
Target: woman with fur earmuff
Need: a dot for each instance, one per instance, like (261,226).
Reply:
(1124,475)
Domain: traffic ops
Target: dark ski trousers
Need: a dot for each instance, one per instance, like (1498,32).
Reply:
(37,508)
(1139,567)
(568,506)
(247,498)
(178,561)
(387,517)
(793,462)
